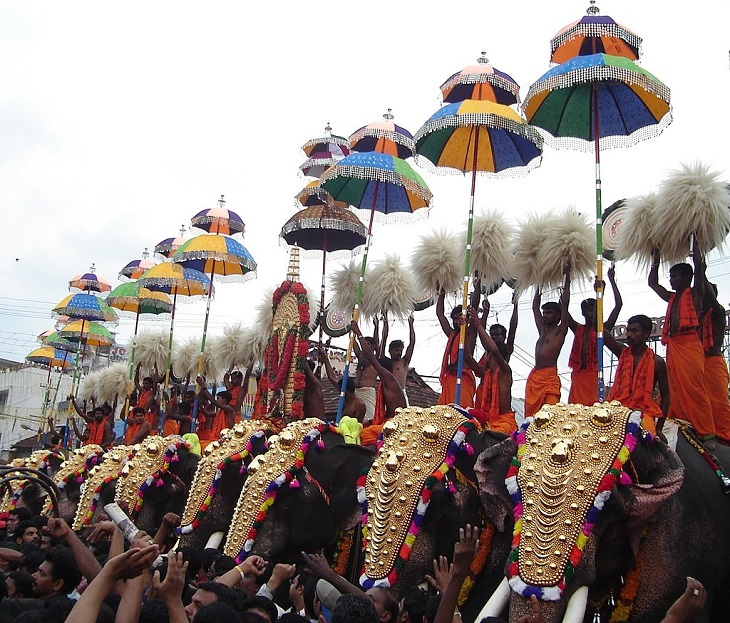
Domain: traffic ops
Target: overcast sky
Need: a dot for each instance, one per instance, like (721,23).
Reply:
(119,122)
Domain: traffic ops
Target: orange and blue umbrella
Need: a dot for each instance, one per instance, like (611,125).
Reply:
(89,282)
(597,102)
(49,357)
(219,220)
(88,333)
(136,268)
(218,255)
(594,34)
(85,306)
(384,137)
(165,248)
(481,82)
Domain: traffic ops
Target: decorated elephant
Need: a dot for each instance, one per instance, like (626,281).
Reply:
(25,492)
(609,523)
(298,495)
(217,484)
(421,489)
(70,476)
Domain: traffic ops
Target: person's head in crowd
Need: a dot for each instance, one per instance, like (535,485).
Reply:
(32,558)
(154,611)
(309,591)
(252,583)
(208,593)
(222,564)
(26,532)
(193,557)
(292,617)
(352,608)
(57,574)
(386,605)
(208,556)
(46,542)
(249,616)
(19,584)
(262,606)
(15,516)
(216,612)
(413,605)
(432,606)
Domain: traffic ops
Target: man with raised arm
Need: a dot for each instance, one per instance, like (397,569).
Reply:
(551,319)
(450,362)
(685,356)
(402,360)
(584,354)
(354,406)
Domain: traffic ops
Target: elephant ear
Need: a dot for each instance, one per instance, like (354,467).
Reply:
(491,470)
(660,474)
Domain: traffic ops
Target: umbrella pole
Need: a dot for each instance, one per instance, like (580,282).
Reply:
(50,415)
(356,309)
(599,246)
(321,288)
(168,368)
(467,272)
(125,408)
(201,359)
(78,371)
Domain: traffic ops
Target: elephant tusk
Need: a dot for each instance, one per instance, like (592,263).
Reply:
(214,540)
(497,602)
(576,609)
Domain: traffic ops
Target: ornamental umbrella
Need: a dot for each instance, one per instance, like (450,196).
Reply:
(53,339)
(215,254)
(481,82)
(314,195)
(380,183)
(478,137)
(328,229)
(165,248)
(136,268)
(323,153)
(85,306)
(90,333)
(89,282)
(384,137)
(594,34)
(219,220)
(598,102)
(49,357)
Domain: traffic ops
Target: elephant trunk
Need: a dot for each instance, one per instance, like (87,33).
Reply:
(497,602)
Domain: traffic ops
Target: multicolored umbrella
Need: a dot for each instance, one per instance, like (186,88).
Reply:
(594,34)
(136,268)
(325,228)
(85,306)
(481,82)
(165,248)
(90,282)
(54,340)
(219,220)
(50,357)
(314,195)
(598,102)
(336,146)
(87,333)
(382,184)
(384,137)
(136,299)
(477,136)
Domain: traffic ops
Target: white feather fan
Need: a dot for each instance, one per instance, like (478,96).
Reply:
(438,262)
(343,286)
(391,289)
(231,349)
(691,201)
(185,360)
(490,247)
(636,239)
(112,383)
(87,387)
(151,351)
(569,238)
(526,246)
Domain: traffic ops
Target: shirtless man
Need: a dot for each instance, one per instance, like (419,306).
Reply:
(685,355)
(313,398)
(354,405)
(366,377)
(401,361)
(714,323)
(551,319)
(449,364)
(497,383)
(237,384)
(502,337)
(584,352)
(638,373)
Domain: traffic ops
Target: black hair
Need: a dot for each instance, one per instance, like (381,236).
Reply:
(499,327)
(432,606)
(350,387)
(223,564)
(224,394)
(137,410)
(683,269)
(22,527)
(149,379)
(193,557)
(183,408)
(309,590)
(390,603)
(414,603)
(643,321)
(397,344)
(215,613)
(224,593)
(249,616)
(292,617)
(154,611)
(23,583)
(260,602)
(22,513)
(585,303)
(551,306)
(64,567)
(457,310)
(351,608)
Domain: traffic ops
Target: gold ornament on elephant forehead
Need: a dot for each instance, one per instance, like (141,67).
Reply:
(108,469)
(568,450)
(262,471)
(75,463)
(232,441)
(7,502)
(415,444)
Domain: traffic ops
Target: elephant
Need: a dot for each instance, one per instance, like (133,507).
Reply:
(26,492)
(298,495)
(218,481)
(70,476)
(667,518)
(423,485)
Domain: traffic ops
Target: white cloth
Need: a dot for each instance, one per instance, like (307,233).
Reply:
(367,394)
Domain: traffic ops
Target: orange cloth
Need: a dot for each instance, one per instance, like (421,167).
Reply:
(583,386)
(171,427)
(542,388)
(96,433)
(381,410)
(369,434)
(688,321)
(708,338)
(716,385)
(686,368)
(131,432)
(234,396)
(503,423)
(143,399)
(484,398)
(635,388)
(447,377)
(591,362)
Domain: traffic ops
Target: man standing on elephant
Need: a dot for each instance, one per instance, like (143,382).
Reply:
(449,364)
(639,371)
(685,356)
(551,319)
(714,324)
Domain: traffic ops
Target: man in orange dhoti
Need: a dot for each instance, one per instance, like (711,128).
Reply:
(685,356)
(551,319)
(449,365)
(714,324)
(584,353)
(639,371)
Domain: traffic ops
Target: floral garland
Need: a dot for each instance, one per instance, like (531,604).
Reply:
(93,459)
(239,456)
(457,444)
(97,496)
(171,456)
(288,477)
(342,552)
(277,371)
(613,475)
(478,564)
(625,605)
